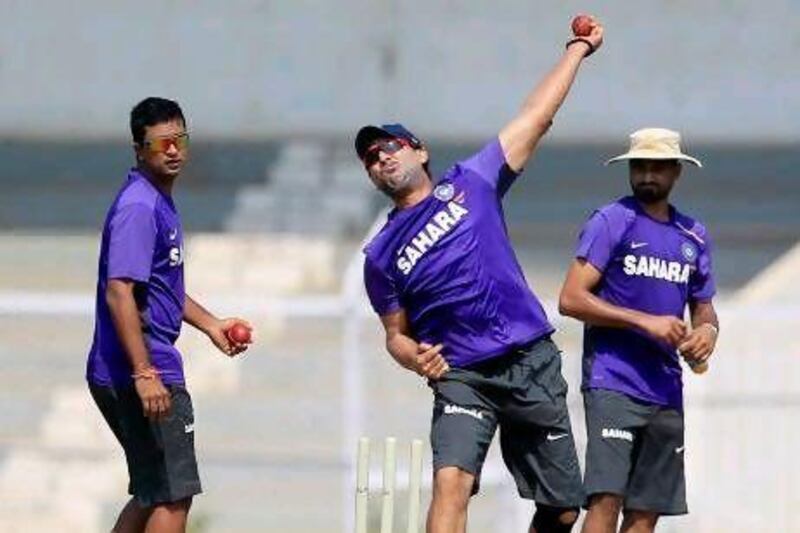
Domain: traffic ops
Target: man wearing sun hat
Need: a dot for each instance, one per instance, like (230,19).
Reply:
(639,263)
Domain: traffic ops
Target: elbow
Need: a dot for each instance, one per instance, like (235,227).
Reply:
(539,120)
(391,343)
(567,304)
(543,125)
(537,128)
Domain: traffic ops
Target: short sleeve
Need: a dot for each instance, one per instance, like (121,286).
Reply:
(702,286)
(381,289)
(490,164)
(595,242)
(131,242)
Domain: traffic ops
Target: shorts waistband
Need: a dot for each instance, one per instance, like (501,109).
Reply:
(512,354)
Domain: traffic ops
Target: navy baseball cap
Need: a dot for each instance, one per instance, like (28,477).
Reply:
(369,134)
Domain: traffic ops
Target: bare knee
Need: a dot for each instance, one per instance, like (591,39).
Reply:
(639,521)
(178,507)
(603,513)
(606,504)
(132,519)
(452,487)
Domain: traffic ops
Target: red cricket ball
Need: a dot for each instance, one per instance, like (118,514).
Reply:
(582,25)
(239,333)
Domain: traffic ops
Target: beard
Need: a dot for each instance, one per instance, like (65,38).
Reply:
(650,193)
(403,183)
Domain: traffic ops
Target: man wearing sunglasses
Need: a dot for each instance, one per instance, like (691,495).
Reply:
(134,371)
(457,310)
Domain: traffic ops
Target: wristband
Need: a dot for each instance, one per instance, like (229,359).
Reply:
(148,373)
(714,328)
(582,40)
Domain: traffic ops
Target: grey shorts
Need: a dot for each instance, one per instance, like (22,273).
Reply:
(635,450)
(524,393)
(161,461)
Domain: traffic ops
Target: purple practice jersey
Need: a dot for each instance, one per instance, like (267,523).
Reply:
(651,266)
(142,242)
(448,262)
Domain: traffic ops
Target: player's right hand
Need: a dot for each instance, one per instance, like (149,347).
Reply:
(665,328)
(156,401)
(596,36)
(429,361)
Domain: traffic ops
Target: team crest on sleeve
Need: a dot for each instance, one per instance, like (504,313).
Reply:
(444,192)
(689,251)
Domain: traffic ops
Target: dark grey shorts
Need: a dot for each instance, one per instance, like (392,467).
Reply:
(635,450)
(524,394)
(160,455)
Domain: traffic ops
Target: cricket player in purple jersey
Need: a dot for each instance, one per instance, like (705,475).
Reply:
(457,310)
(639,263)
(134,371)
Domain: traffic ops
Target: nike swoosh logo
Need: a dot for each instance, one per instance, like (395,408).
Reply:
(551,437)
(680,450)
(637,245)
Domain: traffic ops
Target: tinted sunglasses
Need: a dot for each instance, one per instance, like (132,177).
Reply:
(163,144)
(387,146)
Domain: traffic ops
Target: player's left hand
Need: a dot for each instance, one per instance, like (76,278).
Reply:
(217,334)
(430,362)
(699,344)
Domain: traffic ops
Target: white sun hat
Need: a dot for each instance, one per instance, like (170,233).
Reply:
(655,143)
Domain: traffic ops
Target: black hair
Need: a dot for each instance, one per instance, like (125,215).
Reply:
(151,111)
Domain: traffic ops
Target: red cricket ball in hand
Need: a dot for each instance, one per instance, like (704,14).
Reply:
(239,333)
(582,25)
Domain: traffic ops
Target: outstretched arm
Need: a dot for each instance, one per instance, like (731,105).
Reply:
(520,136)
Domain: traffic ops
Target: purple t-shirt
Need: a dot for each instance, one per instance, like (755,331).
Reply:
(651,266)
(143,242)
(448,262)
